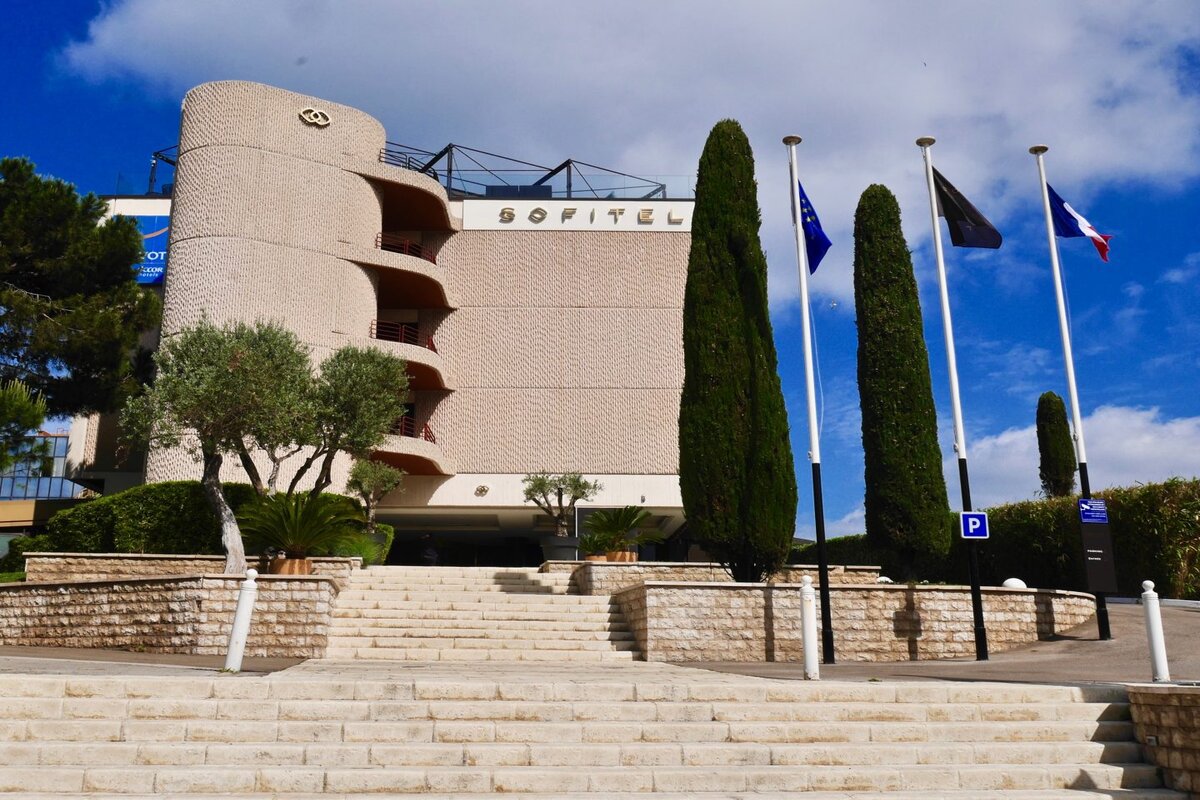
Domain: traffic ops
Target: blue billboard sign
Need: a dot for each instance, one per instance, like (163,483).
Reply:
(154,238)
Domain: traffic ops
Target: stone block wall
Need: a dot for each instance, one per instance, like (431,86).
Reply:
(1167,724)
(65,567)
(760,622)
(602,577)
(187,614)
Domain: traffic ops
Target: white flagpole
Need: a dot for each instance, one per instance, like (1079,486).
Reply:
(960,438)
(814,437)
(1064,328)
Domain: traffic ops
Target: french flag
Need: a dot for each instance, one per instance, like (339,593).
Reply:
(1069,223)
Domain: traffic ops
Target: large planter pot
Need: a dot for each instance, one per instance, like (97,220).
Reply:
(595,557)
(622,555)
(560,548)
(290,566)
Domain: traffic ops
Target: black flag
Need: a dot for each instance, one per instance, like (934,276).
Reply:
(968,228)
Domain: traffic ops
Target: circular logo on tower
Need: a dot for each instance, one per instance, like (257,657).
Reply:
(314,116)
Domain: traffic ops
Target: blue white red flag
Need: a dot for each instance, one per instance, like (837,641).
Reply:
(1069,223)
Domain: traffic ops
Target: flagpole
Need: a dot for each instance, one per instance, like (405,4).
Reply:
(1064,329)
(960,439)
(814,439)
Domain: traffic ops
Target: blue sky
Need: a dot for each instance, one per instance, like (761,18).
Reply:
(1113,87)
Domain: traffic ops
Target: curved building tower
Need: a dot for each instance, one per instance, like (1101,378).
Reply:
(541,332)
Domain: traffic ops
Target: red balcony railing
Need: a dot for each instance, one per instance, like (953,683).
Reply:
(398,244)
(403,332)
(407,426)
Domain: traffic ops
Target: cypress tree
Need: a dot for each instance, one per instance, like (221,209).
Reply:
(735,457)
(1056,449)
(906,506)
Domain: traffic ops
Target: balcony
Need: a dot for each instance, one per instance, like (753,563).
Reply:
(398,244)
(426,369)
(412,447)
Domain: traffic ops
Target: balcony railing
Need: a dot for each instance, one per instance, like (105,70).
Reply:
(403,332)
(407,426)
(398,244)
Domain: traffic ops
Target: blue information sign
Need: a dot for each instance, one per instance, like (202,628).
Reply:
(974,524)
(1093,511)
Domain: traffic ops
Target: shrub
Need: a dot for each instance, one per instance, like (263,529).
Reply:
(14,561)
(170,517)
(1156,536)
(855,550)
(302,525)
(371,548)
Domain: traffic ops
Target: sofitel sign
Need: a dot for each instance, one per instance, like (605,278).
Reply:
(600,215)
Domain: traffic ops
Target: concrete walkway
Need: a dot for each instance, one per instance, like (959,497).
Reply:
(1076,658)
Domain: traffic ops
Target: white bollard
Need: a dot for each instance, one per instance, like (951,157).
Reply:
(241,622)
(808,629)
(1154,632)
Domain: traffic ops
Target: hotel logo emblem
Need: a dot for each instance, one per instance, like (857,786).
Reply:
(314,116)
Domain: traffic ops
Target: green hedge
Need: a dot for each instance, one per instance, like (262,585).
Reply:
(169,517)
(1156,536)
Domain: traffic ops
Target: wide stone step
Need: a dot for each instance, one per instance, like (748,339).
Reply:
(457,586)
(238,751)
(518,637)
(473,654)
(372,624)
(497,597)
(970,794)
(507,614)
(182,780)
(479,643)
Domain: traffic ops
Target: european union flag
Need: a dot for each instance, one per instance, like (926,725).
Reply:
(816,243)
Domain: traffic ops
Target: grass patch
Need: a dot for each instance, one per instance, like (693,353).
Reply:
(11,577)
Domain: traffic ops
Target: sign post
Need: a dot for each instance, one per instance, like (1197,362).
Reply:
(1098,563)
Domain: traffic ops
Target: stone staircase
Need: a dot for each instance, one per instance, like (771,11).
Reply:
(599,731)
(473,614)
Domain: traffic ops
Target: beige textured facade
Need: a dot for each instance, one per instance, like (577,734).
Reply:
(548,333)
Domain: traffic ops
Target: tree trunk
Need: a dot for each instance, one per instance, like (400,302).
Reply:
(251,469)
(231,536)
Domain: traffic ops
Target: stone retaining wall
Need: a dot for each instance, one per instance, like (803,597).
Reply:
(603,577)
(189,614)
(1167,723)
(759,622)
(64,567)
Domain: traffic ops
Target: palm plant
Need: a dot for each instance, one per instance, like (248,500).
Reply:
(621,527)
(301,525)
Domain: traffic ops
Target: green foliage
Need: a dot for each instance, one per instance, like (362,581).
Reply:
(557,495)
(735,460)
(1055,447)
(14,560)
(359,394)
(371,481)
(301,525)
(619,529)
(906,504)
(73,312)
(21,411)
(593,543)
(172,517)
(1156,536)
(855,550)
(12,577)
(371,547)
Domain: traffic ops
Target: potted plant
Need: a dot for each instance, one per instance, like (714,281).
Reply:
(557,495)
(595,546)
(300,526)
(621,529)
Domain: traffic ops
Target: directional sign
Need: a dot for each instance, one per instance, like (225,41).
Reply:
(1093,511)
(974,524)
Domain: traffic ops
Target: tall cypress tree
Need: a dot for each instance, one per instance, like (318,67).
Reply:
(735,458)
(906,506)
(1056,449)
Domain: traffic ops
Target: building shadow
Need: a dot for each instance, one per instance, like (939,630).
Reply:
(907,625)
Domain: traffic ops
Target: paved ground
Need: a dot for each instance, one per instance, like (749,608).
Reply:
(1077,657)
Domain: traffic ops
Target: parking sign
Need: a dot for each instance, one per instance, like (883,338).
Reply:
(974,524)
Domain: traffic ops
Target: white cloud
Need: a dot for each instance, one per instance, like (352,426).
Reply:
(853,522)
(636,86)
(1126,446)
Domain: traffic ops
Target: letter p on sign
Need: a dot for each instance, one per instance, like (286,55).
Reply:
(974,524)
